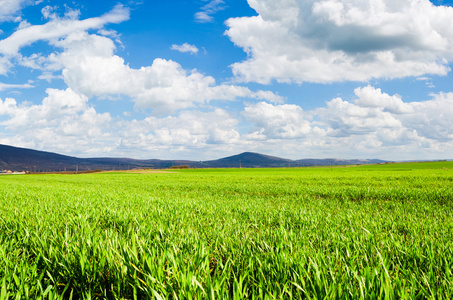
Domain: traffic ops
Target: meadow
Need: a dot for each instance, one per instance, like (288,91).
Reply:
(365,232)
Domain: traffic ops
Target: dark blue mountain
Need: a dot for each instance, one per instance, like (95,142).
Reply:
(22,159)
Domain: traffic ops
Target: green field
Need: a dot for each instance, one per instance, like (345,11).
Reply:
(368,232)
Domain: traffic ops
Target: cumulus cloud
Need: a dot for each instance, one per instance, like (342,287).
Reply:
(62,122)
(188,129)
(185,48)
(91,68)
(205,15)
(372,97)
(388,120)
(59,107)
(431,119)
(342,40)
(280,121)
(346,119)
(375,124)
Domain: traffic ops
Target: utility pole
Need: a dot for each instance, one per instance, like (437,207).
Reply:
(240,167)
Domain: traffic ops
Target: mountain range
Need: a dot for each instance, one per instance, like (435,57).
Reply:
(22,159)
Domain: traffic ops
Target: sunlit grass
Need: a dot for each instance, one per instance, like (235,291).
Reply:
(357,233)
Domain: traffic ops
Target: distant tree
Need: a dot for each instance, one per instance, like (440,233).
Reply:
(180,167)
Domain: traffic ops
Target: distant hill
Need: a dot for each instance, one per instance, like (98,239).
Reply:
(249,160)
(14,158)
(18,159)
(22,159)
(337,162)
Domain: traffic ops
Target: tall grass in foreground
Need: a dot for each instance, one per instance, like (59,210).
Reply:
(352,233)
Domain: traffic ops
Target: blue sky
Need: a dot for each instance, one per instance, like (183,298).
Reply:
(205,79)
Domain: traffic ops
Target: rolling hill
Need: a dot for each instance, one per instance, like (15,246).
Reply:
(22,159)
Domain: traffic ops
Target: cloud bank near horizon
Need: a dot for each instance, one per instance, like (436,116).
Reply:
(373,123)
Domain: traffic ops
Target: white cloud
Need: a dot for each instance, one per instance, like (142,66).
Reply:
(8,9)
(62,122)
(65,123)
(364,128)
(34,61)
(432,119)
(113,34)
(388,120)
(346,119)
(185,48)
(268,96)
(5,64)
(375,124)
(4,86)
(58,103)
(91,68)
(48,76)
(189,134)
(188,129)
(205,15)
(281,121)
(23,24)
(49,12)
(372,97)
(58,28)
(338,40)
(51,32)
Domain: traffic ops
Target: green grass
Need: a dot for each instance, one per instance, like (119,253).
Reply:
(412,166)
(364,232)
